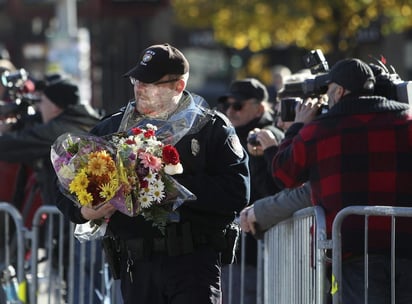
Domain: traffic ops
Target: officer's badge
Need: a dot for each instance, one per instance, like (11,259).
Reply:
(235,145)
(147,57)
(195,146)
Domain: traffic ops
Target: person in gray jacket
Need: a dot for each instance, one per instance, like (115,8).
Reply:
(271,210)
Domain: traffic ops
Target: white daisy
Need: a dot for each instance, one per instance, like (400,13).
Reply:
(145,200)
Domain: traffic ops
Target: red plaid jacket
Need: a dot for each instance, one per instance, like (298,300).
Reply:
(360,153)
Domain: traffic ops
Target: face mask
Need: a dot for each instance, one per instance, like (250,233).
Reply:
(155,100)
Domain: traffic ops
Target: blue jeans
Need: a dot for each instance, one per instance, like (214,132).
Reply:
(379,291)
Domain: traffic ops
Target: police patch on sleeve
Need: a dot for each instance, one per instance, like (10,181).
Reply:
(235,145)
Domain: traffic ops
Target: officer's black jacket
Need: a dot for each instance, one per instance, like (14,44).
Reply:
(216,175)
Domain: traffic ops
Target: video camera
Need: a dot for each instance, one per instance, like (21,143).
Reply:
(301,86)
(21,93)
(387,84)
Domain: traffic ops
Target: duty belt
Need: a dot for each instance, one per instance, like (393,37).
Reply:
(179,240)
(140,247)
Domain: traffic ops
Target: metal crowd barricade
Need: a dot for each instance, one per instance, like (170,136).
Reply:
(12,253)
(236,293)
(295,259)
(367,211)
(53,267)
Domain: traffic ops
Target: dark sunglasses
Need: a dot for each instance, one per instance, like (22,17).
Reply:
(236,106)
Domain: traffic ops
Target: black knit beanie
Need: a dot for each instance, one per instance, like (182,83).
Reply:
(62,93)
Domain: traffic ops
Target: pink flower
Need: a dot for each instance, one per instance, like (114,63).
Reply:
(150,161)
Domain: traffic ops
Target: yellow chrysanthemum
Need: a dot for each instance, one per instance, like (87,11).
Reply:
(85,198)
(79,183)
(108,190)
(100,163)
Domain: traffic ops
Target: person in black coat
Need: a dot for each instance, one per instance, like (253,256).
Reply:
(246,105)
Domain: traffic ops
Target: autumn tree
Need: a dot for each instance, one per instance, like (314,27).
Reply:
(330,25)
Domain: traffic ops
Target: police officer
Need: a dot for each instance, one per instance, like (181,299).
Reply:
(182,265)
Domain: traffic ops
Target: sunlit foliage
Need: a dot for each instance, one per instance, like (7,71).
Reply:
(331,25)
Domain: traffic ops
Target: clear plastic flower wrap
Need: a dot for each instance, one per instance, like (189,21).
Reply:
(131,170)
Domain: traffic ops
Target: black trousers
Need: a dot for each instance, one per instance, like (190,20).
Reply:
(161,279)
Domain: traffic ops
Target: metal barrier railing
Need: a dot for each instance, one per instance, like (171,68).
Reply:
(367,211)
(291,258)
(39,217)
(52,264)
(55,272)
(13,244)
(276,256)
(241,293)
(295,259)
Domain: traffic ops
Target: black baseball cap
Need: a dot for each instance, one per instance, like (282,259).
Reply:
(246,89)
(157,61)
(351,73)
(61,91)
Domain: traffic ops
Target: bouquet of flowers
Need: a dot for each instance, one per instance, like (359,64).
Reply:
(131,170)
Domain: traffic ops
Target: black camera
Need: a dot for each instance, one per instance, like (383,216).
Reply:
(21,95)
(252,140)
(302,86)
(389,84)
(14,79)
(316,62)
(308,85)
(288,108)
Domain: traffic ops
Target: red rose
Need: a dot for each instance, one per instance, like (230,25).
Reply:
(149,133)
(136,131)
(170,155)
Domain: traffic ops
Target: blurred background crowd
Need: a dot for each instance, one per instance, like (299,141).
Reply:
(95,41)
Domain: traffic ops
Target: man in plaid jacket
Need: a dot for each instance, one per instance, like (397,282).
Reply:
(359,153)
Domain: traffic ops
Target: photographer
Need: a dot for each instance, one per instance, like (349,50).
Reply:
(61,112)
(357,153)
(270,210)
(58,103)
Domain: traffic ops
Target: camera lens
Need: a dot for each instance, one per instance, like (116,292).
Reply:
(252,140)
(287,108)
